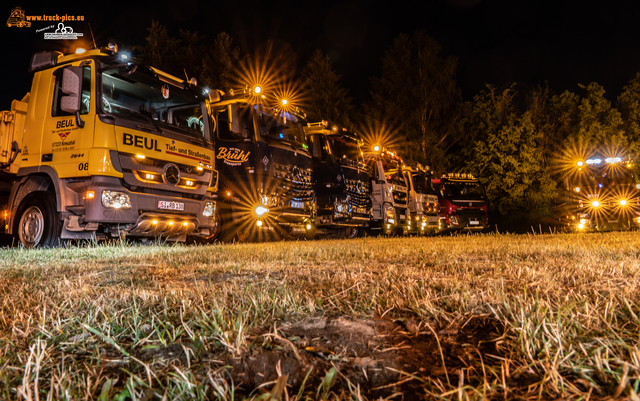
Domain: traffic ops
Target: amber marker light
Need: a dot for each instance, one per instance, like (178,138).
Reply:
(90,194)
(80,50)
(141,157)
(170,223)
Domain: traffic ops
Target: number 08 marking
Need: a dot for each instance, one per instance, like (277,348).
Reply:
(83,166)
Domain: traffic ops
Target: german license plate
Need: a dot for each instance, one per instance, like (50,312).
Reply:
(168,205)
(474,222)
(297,205)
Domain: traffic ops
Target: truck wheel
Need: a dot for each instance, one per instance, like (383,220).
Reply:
(37,224)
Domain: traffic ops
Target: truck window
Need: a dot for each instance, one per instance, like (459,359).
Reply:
(140,96)
(246,128)
(281,126)
(56,111)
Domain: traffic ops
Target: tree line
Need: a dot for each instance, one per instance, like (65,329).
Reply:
(518,143)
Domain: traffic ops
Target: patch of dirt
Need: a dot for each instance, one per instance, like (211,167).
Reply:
(383,356)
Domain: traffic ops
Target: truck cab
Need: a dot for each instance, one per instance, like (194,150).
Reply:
(265,189)
(423,201)
(341,181)
(389,193)
(603,194)
(103,147)
(463,203)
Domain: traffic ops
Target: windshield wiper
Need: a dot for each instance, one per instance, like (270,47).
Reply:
(146,117)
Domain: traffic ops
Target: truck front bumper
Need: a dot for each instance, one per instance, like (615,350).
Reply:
(146,214)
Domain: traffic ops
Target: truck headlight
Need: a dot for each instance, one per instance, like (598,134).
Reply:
(209,209)
(341,207)
(389,214)
(116,200)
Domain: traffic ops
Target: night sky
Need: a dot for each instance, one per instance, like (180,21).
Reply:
(496,41)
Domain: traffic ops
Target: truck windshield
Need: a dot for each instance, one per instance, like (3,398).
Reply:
(463,190)
(281,126)
(421,183)
(141,96)
(345,148)
(608,177)
(393,172)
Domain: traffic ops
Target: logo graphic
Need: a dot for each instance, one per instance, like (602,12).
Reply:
(265,161)
(62,32)
(233,156)
(172,174)
(17,19)
(63,135)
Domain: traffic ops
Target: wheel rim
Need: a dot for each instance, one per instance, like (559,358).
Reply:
(352,233)
(31,227)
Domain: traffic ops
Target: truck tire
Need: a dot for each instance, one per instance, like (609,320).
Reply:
(37,223)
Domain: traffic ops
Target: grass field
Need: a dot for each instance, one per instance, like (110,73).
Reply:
(469,317)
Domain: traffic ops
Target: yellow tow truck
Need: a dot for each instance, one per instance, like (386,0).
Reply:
(104,147)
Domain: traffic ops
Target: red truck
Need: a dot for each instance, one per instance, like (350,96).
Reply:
(463,203)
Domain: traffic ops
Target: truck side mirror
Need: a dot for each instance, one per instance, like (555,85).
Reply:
(72,87)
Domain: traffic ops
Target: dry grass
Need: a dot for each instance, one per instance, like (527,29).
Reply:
(165,322)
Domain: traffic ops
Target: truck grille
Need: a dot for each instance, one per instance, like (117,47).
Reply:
(295,182)
(359,193)
(400,197)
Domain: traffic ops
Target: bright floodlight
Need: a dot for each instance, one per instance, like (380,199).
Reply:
(80,50)
(623,202)
(613,160)
(376,148)
(595,203)
(257,89)
(260,210)
(284,102)
(580,163)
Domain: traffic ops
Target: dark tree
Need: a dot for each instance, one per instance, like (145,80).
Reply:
(505,152)
(417,98)
(629,106)
(325,97)
(160,49)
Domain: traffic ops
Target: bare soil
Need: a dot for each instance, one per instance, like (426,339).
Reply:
(381,356)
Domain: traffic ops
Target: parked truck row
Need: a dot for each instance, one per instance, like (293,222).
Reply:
(104,147)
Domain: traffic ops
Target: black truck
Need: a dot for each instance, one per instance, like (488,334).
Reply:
(341,181)
(265,189)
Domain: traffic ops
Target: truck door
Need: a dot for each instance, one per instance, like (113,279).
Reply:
(65,145)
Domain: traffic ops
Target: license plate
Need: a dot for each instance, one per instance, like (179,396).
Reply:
(297,205)
(613,221)
(474,222)
(402,217)
(167,205)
